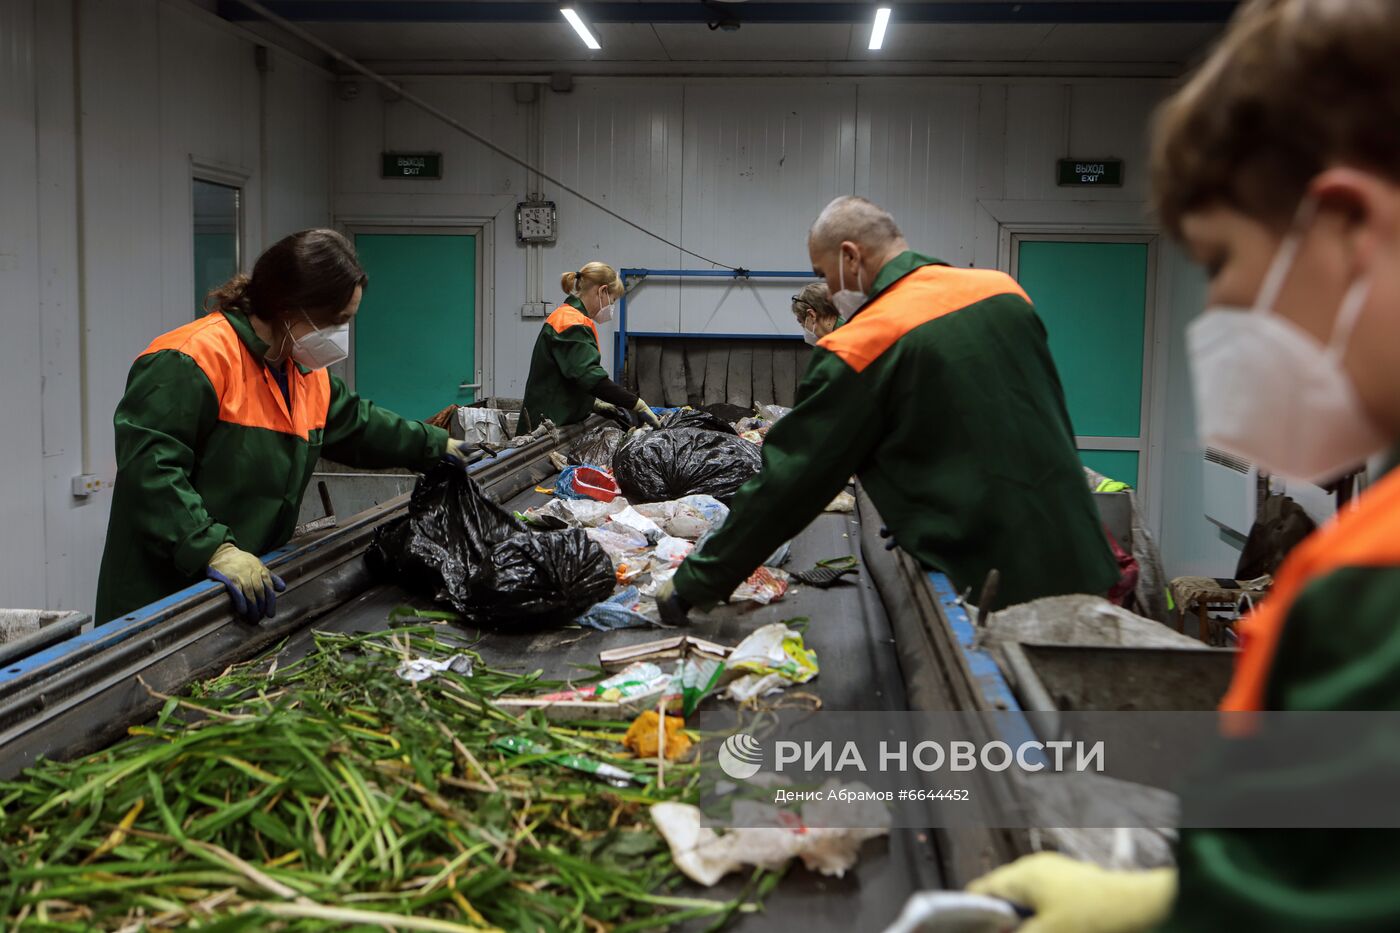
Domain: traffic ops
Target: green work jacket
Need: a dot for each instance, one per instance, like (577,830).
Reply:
(1337,648)
(208,451)
(940,394)
(564,368)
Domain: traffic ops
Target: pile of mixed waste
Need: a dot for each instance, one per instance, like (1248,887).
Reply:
(349,790)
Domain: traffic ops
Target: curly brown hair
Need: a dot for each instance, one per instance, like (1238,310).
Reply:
(1294,87)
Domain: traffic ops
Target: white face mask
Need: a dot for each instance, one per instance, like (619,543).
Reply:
(848,302)
(323,347)
(1269,392)
(605,312)
(810,336)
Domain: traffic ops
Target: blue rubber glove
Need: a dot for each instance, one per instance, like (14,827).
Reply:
(252,587)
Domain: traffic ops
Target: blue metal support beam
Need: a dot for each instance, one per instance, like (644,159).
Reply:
(640,275)
(658,11)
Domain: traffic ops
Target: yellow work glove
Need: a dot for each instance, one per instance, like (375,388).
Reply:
(458,451)
(607,408)
(644,412)
(252,587)
(1070,896)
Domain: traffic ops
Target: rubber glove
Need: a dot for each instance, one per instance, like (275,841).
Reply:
(457,451)
(644,412)
(1070,896)
(252,587)
(675,611)
(607,408)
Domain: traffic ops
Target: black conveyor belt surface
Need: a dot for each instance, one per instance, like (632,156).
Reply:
(859,671)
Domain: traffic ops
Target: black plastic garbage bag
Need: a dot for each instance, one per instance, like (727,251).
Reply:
(597,447)
(458,547)
(726,412)
(656,466)
(696,418)
(546,578)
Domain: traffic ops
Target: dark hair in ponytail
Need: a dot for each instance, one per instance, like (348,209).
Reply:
(313,271)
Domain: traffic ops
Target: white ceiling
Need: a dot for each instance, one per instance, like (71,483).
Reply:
(1160,48)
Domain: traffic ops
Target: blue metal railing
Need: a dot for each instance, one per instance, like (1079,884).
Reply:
(638,275)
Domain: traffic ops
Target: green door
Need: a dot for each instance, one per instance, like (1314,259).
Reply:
(415,334)
(1092,297)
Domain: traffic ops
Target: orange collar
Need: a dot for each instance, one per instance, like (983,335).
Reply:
(1367,535)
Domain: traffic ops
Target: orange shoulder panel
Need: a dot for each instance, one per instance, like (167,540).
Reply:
(1365,536)
(247,393)
(211,342)
(311,400)
(923,295)
(566,316)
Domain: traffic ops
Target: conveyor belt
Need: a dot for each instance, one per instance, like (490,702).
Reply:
(859,671)
(185,636)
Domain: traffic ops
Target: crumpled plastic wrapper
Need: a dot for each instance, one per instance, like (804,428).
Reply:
(419,669)
(764,585)
(705,856)
(769,660)
(690,517)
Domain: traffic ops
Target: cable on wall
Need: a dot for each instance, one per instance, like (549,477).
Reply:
(428,108)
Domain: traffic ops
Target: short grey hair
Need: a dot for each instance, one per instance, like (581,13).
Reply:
(856,219)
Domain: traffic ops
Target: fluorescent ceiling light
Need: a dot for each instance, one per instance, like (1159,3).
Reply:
(877,32)
(582,30)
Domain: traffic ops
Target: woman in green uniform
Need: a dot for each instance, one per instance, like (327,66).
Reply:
(222,423)
(815,313)
(1278,165)
(567,382)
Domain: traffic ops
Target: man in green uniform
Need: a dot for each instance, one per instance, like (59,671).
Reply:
(939,393)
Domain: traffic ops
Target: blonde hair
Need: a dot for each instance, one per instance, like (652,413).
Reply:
(591,275)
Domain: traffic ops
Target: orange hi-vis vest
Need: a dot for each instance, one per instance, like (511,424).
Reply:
(248,394)
(923,295)
(1367,535)
(566,316)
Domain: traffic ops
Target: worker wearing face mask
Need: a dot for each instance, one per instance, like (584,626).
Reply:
(223,420)
(1278,165)
(567,382)
(940,394)
(815,313)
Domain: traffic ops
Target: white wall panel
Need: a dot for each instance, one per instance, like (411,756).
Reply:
(369,124)
(21,499)
(209,116)
(125,257)
(919,156)
(621,143)
(1046,122)
(761,160)
(297,162)
(71,554)
(1190,544)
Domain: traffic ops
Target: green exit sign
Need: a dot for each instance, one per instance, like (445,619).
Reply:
(1106,173)
(411,165)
